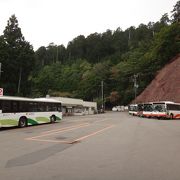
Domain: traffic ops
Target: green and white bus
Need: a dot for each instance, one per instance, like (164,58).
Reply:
(22,112)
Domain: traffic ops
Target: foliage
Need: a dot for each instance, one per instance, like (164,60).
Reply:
(114,98)
(77,70)
(176,12)
(17,61)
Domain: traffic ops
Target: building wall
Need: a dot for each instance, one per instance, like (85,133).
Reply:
(72,106)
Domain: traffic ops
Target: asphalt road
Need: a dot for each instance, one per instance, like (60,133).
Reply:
(110,146)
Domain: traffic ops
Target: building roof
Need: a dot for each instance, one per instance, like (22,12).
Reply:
(69,101)
(48,100)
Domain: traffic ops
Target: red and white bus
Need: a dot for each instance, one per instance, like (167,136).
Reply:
(147,110)
(140,110)
(166,109)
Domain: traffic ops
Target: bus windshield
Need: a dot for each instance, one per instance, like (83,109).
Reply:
(159,107)
(148,107)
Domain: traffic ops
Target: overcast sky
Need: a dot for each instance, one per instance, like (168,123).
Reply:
(59,21)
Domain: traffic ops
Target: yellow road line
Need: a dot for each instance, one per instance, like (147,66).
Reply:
(73,141)
(94,133)
(48,140)
(69,129)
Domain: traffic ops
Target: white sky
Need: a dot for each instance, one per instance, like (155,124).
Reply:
(59,21)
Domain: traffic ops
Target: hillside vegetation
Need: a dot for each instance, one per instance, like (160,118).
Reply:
(114,57)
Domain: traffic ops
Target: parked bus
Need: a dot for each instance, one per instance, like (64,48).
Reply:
(166,109)
(147,110)
(133,109)
(140,109)
(22,112)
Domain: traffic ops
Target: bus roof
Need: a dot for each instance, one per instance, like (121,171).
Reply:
(15,98)
(133,104)
(164,102)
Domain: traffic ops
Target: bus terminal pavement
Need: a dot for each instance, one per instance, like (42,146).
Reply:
(109,146)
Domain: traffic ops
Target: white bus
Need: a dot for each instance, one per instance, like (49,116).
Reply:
(147,110)
(166,109)
(133,108)
(140,109)
(22,112)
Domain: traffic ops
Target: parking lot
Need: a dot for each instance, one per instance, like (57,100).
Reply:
(106,146)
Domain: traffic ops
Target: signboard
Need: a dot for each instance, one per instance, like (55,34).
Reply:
(1,91)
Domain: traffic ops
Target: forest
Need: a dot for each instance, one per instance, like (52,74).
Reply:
(126,61)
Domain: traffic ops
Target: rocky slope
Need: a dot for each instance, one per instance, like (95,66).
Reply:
(165,86)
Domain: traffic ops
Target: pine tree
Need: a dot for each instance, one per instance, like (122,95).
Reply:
(20,59)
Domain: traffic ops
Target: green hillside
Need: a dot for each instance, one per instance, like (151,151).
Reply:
(117,57)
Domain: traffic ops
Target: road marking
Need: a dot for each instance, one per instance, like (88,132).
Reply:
(69,129)
(68,142)
(94,133)
(49,140)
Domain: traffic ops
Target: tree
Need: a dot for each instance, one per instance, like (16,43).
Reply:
(76,48)
(93,48)
(114,98)
(20,59)
(165,19)
(46,80)
(41,57)
(176,13)
(62,54)
(3,55)
(52,54)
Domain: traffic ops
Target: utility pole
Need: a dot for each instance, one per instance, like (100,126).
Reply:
(57,54)
(102,93)
(19,82)
(135,85)
(129,37)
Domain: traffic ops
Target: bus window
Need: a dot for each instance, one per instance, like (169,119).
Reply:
(140,107)
(159,107)
(6,106)
(54,107)
(59,107)
(148,108)
(173,107)
(23,106)
(14,106)
(33,107)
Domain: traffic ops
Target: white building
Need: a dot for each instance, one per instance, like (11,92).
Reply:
(72,106)
(89,107)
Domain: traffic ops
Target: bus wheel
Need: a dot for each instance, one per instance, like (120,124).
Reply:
(171,116)
(22,122)
(52,118)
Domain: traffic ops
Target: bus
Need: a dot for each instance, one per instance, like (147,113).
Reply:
(140,109)
(22,112)
(147,110)
(166,109)
(133,109)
